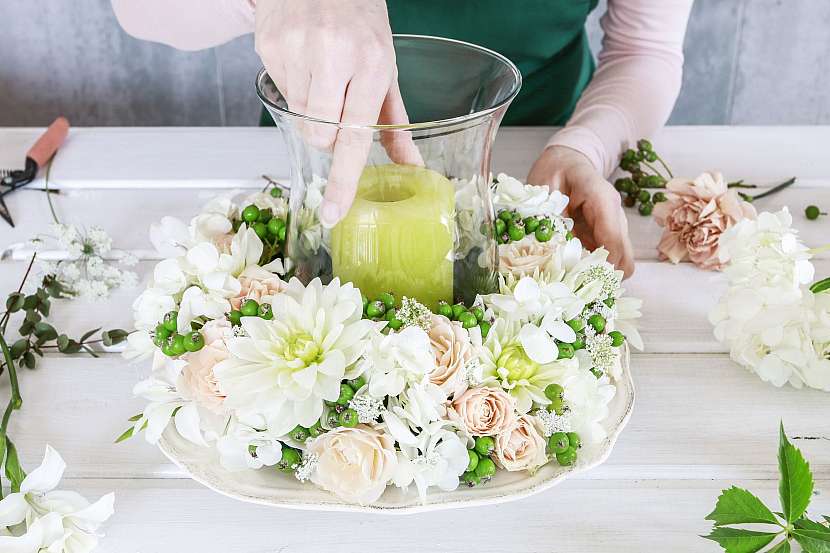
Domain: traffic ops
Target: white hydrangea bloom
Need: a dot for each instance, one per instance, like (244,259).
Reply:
(394,360)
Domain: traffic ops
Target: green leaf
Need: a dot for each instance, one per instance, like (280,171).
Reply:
(26,328)
(737,540)
(15,302)
(88,334)
(14,472)
(29,360)
(63,342)
(32,316)
(738,506)
(44,307)
(114,336)
(820,286)
(30,302)
(783,547)
(126,435)
(18,348)
(46,331)
(796,484)
(807,524)
(812,541)
(135,418)
(826,518)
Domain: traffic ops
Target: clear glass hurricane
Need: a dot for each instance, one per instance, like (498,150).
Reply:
(422,222)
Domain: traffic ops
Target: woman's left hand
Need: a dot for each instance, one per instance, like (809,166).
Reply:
(599,219)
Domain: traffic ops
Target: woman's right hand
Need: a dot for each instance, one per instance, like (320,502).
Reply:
(334,60)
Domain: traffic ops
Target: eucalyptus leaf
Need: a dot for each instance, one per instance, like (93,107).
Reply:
(15,302)
(737,540)
(45,330)
(114,336)
(796,484)
(44,307)
(63,342)
(18,348)
(739,506)
(32,316)
(30,302)
(29,360)
(89,333)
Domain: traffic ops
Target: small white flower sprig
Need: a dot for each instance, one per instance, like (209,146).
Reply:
(773,317)
(355,393)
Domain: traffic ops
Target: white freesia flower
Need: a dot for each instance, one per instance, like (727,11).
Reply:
(243,446)
(42,518)
(397,359)
(416,407)
(170,237)
(150,307)
(286,367)
(527,199)
(587,398)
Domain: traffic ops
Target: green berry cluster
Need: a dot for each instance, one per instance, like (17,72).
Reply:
(510,227)
(644,176)
(812,212)
(172,343)
(467,317)
(562,445)
(271,230)
(250,308)
(383,308)
(481,466)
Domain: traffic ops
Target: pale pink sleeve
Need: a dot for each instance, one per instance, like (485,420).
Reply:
(186,24)
(636,83)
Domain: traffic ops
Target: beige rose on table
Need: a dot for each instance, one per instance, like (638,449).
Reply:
(355,464)
(453,350)
(486,411)
(197,380)
(259,288)
(694,216)
(522,446)
(524,257)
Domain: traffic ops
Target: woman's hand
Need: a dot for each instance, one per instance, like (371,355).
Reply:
(594,205)
(334,60)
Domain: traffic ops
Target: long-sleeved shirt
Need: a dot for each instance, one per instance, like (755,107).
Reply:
(631,94)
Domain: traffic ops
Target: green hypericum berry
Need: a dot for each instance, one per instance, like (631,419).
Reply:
(299,434)
(505,215)
(566,351)
(471,478)
(574,440)
(543,234)
(478,312)
(333,419)
(501,227)
(617,338)
(235,317)
(365,302)
(658,197)
(812,212)
(261,230)
(567,457)
(473,460)
(291,459)
(629,155)
(178,344)
(629,201)
(375,309)
(651,157)
(609,302)
(557,406)
(395,324)
(467,320)
(596,372)
(578,344)
(558,443)
(503,238)
(554,391)
(445,309)
(457,310)
(646,208)
(621,184)
(388,299)
(576,324)
(348,418)
(264,311)
(274,226)
(169,321)
(643,195)
(250,213)
(167,347)
(249,308)
(276,192)
(484,326)
(316,429)
(390,314)
(485,468)
(161,332)
(357,383)
(194,341)
(644,145)
(485,446)
(516,232)
(652,181)
(264,215)
(531,224)
(346,394)
(281,233)
(597,321)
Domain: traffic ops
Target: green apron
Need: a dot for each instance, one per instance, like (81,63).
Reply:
(546,39)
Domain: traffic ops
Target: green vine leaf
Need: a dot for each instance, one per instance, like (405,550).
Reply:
(739,506)
(737,540)
(820,286)
(812,541)
(796,484)
(783,547)
(807,524)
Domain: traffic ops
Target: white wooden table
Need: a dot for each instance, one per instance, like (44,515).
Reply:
(700,423)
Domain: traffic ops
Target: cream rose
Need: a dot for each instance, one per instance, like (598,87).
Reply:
(197,380)
(524,257)
(452,348)
(355,464)
(486,411)
(521,447)
(257,289)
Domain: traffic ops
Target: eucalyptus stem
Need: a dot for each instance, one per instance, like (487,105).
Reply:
(666,167)
(5,321)
(774,189)
(48,192)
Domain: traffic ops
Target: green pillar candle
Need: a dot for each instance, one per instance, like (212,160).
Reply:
(398,235)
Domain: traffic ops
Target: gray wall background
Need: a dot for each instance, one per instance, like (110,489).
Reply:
(747,62)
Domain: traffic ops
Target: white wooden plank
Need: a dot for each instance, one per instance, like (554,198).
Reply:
(632,516)
(696,416)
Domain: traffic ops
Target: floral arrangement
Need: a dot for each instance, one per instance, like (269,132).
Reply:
(773,317)
(355,394)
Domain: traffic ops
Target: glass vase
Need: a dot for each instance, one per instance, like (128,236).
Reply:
(422,222)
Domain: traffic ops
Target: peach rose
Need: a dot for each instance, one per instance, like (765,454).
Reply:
(486,411)
(521,447)
(694,216)
(355,464)
(259,288)
(524,257)
(197,380)
(452,348)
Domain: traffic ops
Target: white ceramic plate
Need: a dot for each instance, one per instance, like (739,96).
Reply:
(269,487)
